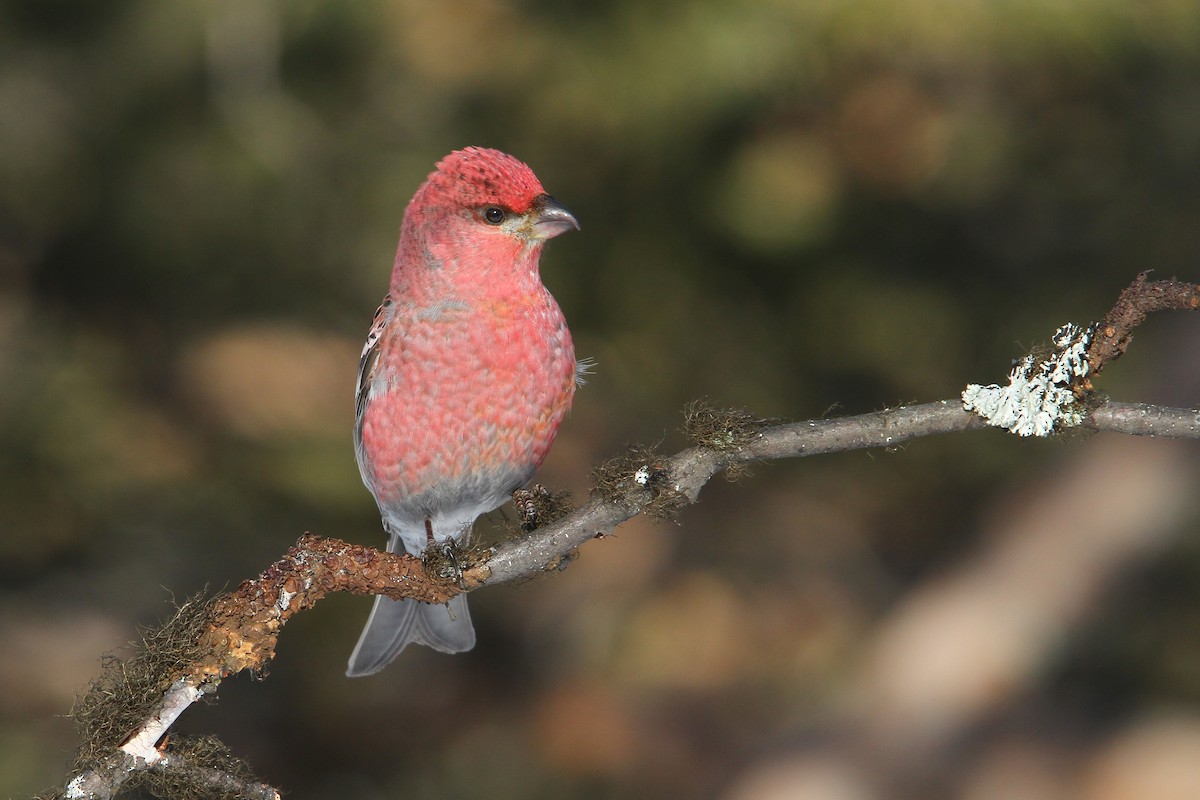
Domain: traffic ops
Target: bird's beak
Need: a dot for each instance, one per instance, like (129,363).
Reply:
(550,218)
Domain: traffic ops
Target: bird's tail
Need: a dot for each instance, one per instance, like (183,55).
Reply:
(393,624)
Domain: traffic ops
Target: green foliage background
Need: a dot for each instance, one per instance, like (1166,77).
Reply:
(799,207)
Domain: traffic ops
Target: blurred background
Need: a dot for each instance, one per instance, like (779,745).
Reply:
(802,208)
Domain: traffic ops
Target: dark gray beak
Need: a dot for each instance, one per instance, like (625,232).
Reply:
(550,218)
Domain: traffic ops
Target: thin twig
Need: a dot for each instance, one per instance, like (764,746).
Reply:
(1138,299)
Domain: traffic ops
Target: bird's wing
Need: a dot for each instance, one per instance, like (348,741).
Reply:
(370,356)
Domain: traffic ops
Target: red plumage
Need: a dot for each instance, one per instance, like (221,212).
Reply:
(467,373)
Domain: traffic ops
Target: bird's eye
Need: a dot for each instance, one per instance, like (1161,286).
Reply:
(494,215)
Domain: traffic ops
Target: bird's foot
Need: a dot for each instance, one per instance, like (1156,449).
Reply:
(442,563)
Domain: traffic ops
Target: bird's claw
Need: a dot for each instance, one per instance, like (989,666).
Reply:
(450,551)
(442,563)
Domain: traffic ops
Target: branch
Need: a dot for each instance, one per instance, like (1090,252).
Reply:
(234,632)
(680,478)
(1049,394)
(1138,299)
(174,770)
(239,630)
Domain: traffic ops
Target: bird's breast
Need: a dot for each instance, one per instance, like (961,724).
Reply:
(466,389)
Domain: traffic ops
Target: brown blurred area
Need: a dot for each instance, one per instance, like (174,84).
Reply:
(801,208)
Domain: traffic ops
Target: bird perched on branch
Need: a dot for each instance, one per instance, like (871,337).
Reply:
(467,372)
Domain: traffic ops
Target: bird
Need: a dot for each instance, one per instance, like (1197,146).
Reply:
(467,372)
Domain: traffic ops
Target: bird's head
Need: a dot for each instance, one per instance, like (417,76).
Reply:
(495,191)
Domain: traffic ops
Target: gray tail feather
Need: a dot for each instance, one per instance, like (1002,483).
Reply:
(393,624)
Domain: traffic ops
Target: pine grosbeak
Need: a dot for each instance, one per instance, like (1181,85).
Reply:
(467,372)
